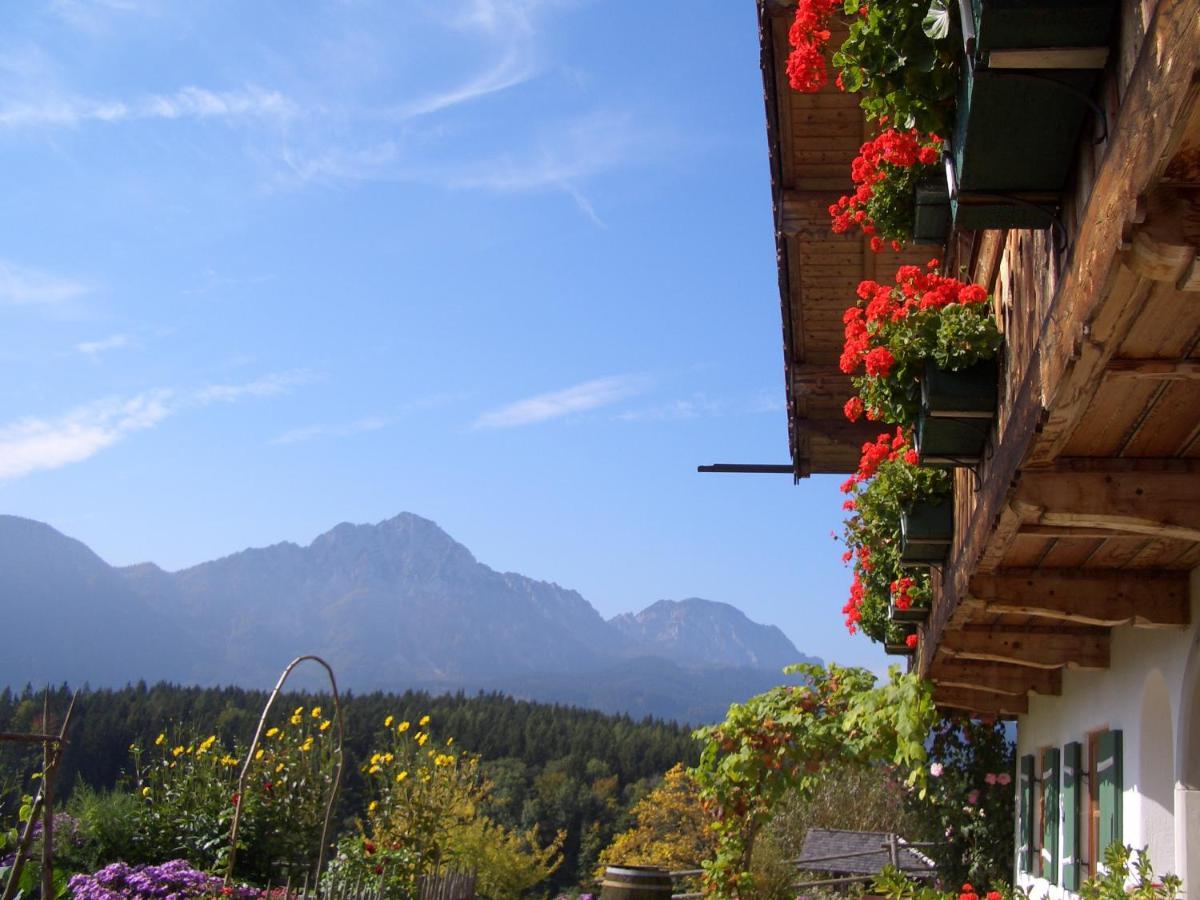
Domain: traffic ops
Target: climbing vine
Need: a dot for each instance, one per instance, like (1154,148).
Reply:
(780,742)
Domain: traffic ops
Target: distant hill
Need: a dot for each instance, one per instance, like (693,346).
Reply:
(394,605)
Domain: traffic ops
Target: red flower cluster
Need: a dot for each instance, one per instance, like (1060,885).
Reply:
(876,164)
(808,35)
(886,448)
(915,291)
(853,607)
(910,641)
(900,593)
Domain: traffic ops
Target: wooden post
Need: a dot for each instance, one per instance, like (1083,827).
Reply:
(48,806)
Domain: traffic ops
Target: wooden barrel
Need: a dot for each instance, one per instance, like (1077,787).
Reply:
(636,883)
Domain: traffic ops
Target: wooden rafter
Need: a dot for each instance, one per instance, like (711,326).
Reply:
(1044,649)
(1149,599)
(1158,498)
(996,678)
(979,702)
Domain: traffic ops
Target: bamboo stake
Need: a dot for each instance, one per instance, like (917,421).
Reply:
(47,807)
(337,778)
(48,775)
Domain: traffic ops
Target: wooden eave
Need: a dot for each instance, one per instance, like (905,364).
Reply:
(1086,514)
(813,138)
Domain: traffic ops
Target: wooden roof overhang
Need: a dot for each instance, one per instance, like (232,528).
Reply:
(813,138)
(1086,512)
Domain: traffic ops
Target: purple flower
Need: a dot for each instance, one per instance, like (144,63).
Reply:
(972,797)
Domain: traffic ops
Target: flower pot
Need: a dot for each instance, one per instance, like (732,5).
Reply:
(899,650)
(957,408)
(1027,78)
(968,393)
(917,615)
(931,211)
(951,442)
(926,532)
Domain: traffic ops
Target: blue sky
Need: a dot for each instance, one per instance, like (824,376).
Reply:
(507,264)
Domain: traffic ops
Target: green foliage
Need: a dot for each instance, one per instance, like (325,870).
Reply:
(670,830)
(781,741)
(968,813)
(554,768)
(907,77)
(426,816)
(1120,861)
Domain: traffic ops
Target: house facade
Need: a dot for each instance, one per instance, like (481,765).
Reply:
(1070,596)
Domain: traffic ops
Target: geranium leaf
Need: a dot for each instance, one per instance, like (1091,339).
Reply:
(937,20)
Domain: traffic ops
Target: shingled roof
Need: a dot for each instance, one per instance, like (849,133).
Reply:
(824,848)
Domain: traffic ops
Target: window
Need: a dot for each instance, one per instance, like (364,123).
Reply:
(1102,813)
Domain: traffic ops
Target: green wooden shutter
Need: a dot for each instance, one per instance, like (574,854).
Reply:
(1071,759)
(1107,771)
(1050,815)
(1025,835)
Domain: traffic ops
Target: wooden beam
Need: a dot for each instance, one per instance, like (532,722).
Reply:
(978,702)
(1038,648)
(805,213)
(1087,597)
(821,381)
(997,678)
(1159,498)
(1154,369)
(852,434)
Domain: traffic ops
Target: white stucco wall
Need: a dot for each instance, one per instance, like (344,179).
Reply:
(1144,685)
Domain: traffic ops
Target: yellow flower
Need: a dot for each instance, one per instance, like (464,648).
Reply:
(422,738)
(373,769)
(271,732)
(296,720)
(402,727)
(449,741)
(207,744)
(279,768)
(324,725)
(306,746)
(400,776)
(160,740)
(228,760)
(299,711)
(375,758)
(191,748)
(387,723)
(178,751)
(372,806)
(316,712)
(443,760)
(430,754)
(387,758)
(258,755)
(424,721)
(145,792)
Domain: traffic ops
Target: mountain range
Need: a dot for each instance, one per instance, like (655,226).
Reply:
(395,605)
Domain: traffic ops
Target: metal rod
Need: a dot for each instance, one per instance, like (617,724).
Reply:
(748,469)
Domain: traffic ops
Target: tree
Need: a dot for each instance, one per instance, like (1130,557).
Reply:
(671,828)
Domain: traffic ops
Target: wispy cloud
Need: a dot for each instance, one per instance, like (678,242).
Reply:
(702,406)
(191,102)
(39,443)
(20,285)
(515,67)
(556,404)
(267,386)
(33,444)
(95,349)
(344,429)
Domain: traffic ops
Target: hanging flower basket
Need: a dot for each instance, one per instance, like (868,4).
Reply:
(917,615)
(926,532)
(957,409)
(1025,92)
(931,211)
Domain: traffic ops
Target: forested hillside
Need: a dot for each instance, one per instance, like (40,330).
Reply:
(553,767)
